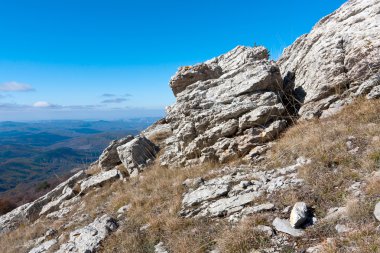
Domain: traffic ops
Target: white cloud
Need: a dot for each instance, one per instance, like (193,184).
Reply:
(114,100)
(42,104)
(15,86)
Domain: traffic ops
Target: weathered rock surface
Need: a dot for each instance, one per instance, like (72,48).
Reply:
(88,238)
(99,179)
(340,53)
(235,193)
(160,248)
(225,107)
(136,154)
(109,159)
(44,247)
(158,132)
(47,203)
(285,227)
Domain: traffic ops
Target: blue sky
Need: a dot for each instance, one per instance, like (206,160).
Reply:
(92,59)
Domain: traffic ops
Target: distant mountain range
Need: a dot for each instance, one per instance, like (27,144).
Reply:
(35,152)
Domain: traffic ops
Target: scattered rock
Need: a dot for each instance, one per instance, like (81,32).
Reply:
(210,190)
(376,212)
(88,238)
(336,213)
(342,229)
(285,227)
(44,247)
(31,211)
(160,248)
(264,229)
(298,215)
(258,208)
(231,193)
(124,209)
(99,179)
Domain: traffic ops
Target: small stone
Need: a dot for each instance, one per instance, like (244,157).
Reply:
(342,229)
(376,212)
(123,209)
(286,209)
(264,229)
(258,208)
(160,248)
(145,227)
(244,184)
(285,227)
(299,214)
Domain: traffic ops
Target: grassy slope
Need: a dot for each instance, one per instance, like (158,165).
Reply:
(156,195)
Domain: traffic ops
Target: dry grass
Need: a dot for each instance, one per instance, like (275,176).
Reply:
(155,196)
(333,168)
(243,238)
(16,241)
(155,199)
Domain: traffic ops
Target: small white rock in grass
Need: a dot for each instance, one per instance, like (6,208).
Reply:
(299,214)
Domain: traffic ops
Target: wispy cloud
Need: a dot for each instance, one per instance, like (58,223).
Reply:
(114,101)
(108,95)
(111,95)
(42,104)
(15,87)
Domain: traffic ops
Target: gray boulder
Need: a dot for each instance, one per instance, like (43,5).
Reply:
(136,154)
(99,179)
(339,54)
(298,215)
(285,227)
(109,159)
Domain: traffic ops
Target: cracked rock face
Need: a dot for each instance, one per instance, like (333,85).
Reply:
(340,53)
(236,193)
(225,107)
(109,159)
(43,205)
(88,238)
(136,154)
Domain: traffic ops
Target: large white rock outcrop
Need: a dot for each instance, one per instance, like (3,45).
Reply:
(225,107)
(340,53)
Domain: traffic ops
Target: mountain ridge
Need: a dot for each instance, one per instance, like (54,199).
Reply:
(254,156)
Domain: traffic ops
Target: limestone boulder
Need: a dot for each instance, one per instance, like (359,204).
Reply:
(340,53)
(136,154)
(224,107)
(109,159)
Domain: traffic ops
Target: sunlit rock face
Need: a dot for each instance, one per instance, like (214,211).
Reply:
(225,107)
(340,53)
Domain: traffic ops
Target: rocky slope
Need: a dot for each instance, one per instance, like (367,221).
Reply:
(221,164)
(335,58)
